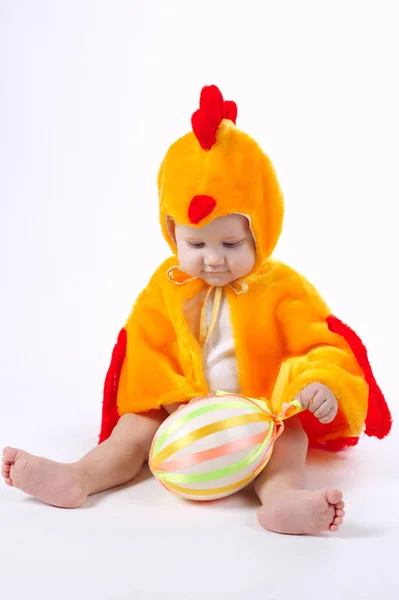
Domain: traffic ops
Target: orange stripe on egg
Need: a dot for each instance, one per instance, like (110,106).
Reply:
(212,453)
(202,432)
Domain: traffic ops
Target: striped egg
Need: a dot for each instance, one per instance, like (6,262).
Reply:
(213,447)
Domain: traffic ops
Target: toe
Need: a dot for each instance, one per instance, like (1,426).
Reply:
(340,505)
(9,454)
(340,513)
(8,482)
(338,521)
(333,496)
(334,527)
(5,473)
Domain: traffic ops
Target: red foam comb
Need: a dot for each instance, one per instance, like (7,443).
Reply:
(200,207)
(206,120)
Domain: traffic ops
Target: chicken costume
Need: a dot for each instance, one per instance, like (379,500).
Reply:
(279,321)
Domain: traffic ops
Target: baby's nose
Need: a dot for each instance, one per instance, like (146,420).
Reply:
(214,260)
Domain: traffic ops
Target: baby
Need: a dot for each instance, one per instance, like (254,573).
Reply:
(221,212)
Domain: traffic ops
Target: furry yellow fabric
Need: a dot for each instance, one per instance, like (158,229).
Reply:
(280,319)
(163,361)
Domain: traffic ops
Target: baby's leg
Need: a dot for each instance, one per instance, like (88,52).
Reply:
(287,507)
(114,462)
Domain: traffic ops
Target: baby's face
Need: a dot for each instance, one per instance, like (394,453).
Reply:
(218,253)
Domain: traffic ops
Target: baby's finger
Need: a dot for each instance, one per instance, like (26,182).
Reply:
(328,418)
(316,402)
(308,393)
(323,409)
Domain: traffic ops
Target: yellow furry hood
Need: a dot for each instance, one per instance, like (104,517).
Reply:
(216,170)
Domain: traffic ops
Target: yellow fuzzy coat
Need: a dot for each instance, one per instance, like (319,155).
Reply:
(280,320)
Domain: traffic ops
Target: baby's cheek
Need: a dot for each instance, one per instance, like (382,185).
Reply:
(196,262)
(191,264)
(242,263)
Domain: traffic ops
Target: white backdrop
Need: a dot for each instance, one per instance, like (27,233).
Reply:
(92,93)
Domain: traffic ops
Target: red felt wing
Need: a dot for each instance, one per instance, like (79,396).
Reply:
(379,419)
(110,415)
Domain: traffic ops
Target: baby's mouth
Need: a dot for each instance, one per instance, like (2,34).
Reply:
(216,272)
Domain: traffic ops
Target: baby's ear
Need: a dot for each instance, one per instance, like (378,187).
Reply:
(171,227)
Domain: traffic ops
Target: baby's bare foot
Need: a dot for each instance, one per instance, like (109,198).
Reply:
(303,512)
(58,484)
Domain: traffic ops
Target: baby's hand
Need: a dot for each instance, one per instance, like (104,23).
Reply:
(320,401)
(171,408)
(201,397)
(195,400)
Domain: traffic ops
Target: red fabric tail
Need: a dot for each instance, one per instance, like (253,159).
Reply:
(110,415)
(379,419)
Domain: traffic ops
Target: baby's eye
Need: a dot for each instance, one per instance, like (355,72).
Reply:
(196,244)
(232,244)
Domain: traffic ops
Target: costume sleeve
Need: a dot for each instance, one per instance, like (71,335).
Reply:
(314,353)
(151,374)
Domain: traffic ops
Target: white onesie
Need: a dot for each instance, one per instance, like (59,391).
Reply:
(220,361)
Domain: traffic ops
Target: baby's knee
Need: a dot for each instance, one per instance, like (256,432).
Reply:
(140,428)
